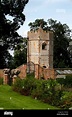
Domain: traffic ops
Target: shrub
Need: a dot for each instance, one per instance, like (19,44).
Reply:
(66,100)
(17,86)
(1,81)
(51,92)
(37,89)
(48,91)
(67,82)
(28,85)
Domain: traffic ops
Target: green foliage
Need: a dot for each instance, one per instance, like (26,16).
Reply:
(30,75)
(27,86)
(51,92)
(11,18)
(17,86)
(5,58)
(37,89)
(66,100)
(38,23)
(1,81)
(67,82)
(20,53)
(24,86)
(48,91)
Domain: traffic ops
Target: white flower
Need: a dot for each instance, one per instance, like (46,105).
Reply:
(1,108)
(48,87)
(70,108)
(35,98)
(23,87)
(10,98)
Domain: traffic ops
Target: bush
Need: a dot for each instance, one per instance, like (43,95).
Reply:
(24,86)
(67,82)
(48,91)
(17,86)
(37,89)
(1,81)
(66,100)
(27,87)
(51,92)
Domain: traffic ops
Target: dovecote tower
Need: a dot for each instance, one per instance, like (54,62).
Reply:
(40,48)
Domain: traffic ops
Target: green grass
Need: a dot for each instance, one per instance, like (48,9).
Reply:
(13,100)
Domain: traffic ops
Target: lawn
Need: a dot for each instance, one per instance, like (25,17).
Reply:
(13,100)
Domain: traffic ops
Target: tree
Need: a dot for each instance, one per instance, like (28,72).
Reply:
(38,23)
(9,37)
(61,40)
(20,53)
(61,43)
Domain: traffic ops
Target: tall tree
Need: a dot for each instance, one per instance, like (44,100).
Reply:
(20,53)
(9,37)
(61,40)
(61,43)
(38,23)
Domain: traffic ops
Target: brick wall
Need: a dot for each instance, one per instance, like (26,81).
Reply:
(40,72)
(22,69)
(44,73)
(22,74)
(1,73)
(49,73)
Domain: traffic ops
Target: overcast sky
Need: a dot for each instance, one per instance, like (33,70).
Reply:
(60,10)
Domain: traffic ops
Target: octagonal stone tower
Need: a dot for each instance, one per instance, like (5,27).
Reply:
(40,48)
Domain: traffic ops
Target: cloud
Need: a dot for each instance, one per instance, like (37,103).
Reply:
(31,11)
(60,10)
(52,1)
(46,2)
(24,33)
(36,5)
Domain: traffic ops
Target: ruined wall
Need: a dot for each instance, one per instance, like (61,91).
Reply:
(49,73)
(23,71)
(4,76)
(44,73)
(22,74)
(1,73)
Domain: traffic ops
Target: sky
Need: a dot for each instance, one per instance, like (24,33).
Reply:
(60,10)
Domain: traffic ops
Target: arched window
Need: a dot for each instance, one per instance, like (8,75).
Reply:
(44,46)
